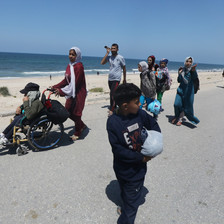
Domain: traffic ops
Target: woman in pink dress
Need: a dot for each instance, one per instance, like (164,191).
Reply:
(73,88)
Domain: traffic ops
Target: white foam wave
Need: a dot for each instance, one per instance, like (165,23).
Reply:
(200,70)
(210,70)
(9,78)
(43,73)
(97,70)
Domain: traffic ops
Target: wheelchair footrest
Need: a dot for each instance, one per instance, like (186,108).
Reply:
(21,150)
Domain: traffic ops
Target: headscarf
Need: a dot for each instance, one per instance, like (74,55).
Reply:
(163,60)
(144,65)
(186,70)
(33,95)
(153,62)
(78,54)
(69,90)
(187,59)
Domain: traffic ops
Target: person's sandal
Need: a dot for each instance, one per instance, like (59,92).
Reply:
(179,123)
(74,137)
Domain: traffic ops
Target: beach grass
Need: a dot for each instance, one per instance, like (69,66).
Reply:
(96,90)
(4,91)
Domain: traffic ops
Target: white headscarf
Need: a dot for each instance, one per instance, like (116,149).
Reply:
(189,58)
(33,95)
(69,90)
(186,70)
(144,65)
(78,54)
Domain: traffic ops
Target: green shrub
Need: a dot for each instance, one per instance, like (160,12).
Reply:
(4,91)
(97,89)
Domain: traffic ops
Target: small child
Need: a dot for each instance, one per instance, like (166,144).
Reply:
(124,133)
(163,83)
(29,110)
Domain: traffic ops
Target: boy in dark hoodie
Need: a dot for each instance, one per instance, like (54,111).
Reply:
(124,132)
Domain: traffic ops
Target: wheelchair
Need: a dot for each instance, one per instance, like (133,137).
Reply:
(41,133)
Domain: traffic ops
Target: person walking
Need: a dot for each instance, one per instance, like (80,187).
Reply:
(117,65)
(147,85)
(73,87)
(124,132)
(184,100)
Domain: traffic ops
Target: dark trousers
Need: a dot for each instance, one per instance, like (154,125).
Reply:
(131,194)
(113,86)
(8,132)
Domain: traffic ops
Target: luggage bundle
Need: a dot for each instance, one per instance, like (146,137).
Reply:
(55,111)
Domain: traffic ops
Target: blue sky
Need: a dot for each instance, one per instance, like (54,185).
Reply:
(165,28)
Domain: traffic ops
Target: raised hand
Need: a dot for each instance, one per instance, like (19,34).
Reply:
(194,67)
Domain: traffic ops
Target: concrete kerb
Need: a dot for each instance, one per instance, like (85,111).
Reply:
(7,114)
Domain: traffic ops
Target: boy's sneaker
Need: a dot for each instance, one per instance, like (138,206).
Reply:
(3,141)
(2,135)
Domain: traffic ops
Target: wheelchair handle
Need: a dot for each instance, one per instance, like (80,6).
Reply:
(52,91)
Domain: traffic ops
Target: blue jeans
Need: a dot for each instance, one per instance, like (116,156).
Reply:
(8,132)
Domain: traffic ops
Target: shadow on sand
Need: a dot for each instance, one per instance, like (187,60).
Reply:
(106,106)
(220,87)
(113,193)
(184,123)
(66,140)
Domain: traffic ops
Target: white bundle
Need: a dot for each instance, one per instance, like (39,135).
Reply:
(153,144)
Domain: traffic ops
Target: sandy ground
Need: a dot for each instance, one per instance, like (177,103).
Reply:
(75,183)
(8,104)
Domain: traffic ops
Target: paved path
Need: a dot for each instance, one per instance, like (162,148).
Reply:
(75,183)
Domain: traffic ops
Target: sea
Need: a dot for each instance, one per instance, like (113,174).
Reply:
(14,65)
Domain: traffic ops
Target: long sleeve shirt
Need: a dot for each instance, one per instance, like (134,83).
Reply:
(33,110)
(124,133)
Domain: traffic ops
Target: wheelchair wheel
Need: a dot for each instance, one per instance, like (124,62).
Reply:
(44,134)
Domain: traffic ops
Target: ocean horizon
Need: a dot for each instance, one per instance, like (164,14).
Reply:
(33,65)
